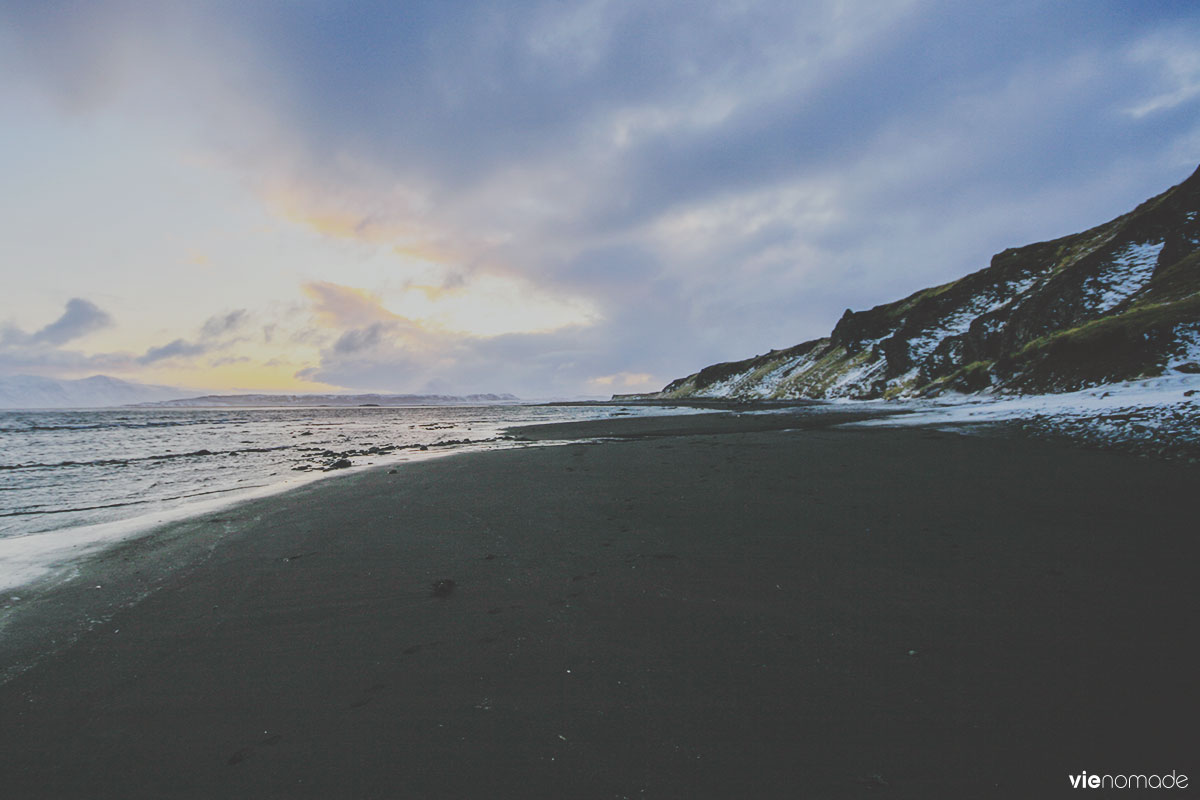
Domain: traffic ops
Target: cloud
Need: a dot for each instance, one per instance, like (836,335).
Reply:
(625,382)
(214,336)
(227,360)
(42,352)
(376,350)
(765,159)
(680,183)
(345,306)
(12,336)
(222,324)
(80,318)
(178,348)
(360,339)
(1174,60)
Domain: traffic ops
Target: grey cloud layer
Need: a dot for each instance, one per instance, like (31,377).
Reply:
(43,350)
(718,178)
(80,318)
(217,333)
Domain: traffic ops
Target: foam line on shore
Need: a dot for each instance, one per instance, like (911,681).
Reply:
(34,557)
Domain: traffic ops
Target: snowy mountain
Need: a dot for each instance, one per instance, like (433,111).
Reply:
(30,391)
(1115,303)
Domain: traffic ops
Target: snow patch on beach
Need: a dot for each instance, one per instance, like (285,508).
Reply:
(1155,415)
(1187,338)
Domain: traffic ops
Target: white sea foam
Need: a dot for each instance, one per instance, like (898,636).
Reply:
(106,483)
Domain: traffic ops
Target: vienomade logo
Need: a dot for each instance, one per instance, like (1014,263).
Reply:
(1171,781)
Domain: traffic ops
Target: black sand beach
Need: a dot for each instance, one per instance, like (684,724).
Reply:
(702,608)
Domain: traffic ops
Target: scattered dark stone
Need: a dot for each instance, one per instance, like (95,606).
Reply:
(1191,367)
(341,463)
(392,471)
(240,756)
(442,588)
(1190,392)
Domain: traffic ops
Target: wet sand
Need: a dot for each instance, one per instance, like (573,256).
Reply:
(695,608)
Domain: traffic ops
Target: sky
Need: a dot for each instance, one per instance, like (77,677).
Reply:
(551,198)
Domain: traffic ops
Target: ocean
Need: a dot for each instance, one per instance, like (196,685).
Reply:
(72,478)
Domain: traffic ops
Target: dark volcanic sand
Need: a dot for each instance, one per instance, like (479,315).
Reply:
(807,613)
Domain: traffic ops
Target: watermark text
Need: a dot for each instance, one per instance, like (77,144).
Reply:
(1171,781)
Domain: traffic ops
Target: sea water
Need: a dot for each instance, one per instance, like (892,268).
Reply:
(76,476)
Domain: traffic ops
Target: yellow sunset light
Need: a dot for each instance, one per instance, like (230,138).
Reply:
(243,375)
(490,306)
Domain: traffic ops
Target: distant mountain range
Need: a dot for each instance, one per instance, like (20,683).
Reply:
(99,391)
(1117,302)
(31,391)
(340,400)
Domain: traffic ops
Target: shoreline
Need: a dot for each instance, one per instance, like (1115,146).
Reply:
(29,557)
(91,538)
(709,607)
(83,584)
